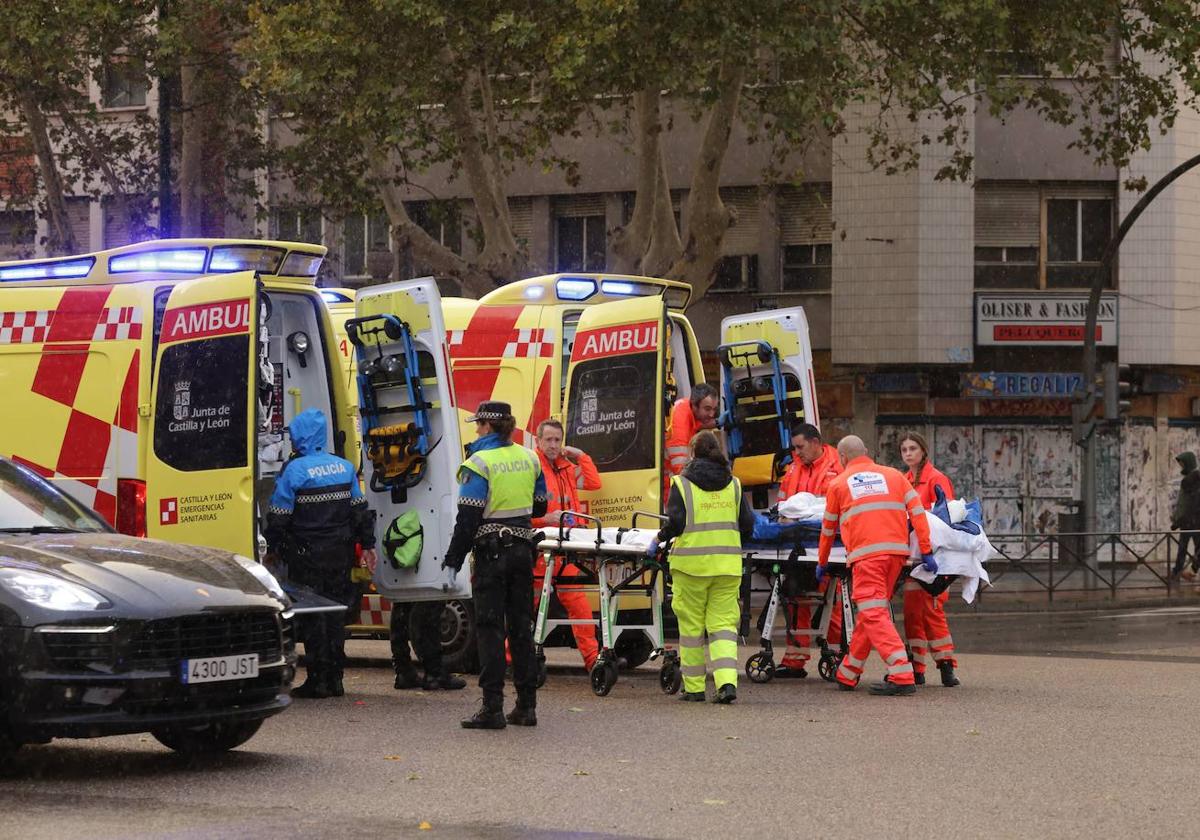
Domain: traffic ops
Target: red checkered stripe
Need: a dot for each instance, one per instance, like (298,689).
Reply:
(375,611)
(116,323)
(29,327)
(530,344)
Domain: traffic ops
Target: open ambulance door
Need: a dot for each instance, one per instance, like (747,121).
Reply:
(201,461)
(410,438)
(766,385)
(615,405)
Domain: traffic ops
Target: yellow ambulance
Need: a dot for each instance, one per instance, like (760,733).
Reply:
(155,382)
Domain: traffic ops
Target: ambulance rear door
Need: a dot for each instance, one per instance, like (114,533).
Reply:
(750,378)
(386,402)
(615,405)
(200,463)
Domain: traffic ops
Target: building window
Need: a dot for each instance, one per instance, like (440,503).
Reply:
(18,234)
(440,219)
(364,233)
(1006,267)
(808,268)
(297,225)
(737,273)
(1077,230)
(579,243)
(123,84)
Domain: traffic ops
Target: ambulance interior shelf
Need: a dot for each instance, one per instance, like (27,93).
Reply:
(758,406)
(399,449)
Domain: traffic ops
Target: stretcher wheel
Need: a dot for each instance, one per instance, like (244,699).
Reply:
(670,678)
(760,667)
(604,677)
(542,671)
(828,665)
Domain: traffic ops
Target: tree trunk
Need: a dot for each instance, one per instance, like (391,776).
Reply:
(631,241)
(500,257)
(665,246)
(708,217)
(475,281)
(61,239)
(116,187)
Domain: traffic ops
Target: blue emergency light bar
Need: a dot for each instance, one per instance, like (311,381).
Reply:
(335,297)
(49,270)
(183,260)
(299,264)
(575,288)
(246,258)
(618,287)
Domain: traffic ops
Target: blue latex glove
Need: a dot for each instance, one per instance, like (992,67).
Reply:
(820,573)
(451,575)
(652,549)
(929,563)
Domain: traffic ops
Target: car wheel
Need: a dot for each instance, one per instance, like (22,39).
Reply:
(459,652)
(208,739)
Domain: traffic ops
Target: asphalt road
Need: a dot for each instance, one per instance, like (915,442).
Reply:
(1066,726)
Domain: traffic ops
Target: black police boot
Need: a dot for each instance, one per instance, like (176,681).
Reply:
(522,715)
(486,718)
(336,689)
(315,687)
(406,678)
(692,696)
(887,688)
(726,694)
(442,682)
(948,678)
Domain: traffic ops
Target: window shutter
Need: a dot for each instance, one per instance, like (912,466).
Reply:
(116,227)
(1007,214)
(79,211)
(591,204)
(520,212)
(806,214)
(742,238)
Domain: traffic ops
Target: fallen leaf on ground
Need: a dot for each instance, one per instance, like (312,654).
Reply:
(393,758)
(574,709)
(973,732)
(715,802)
(581,773)
(423,826)
(413,777)
(733,738)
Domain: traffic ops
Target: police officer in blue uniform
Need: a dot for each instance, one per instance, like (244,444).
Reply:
(501,490)
(316,515)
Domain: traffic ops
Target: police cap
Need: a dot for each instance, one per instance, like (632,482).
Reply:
(491,410)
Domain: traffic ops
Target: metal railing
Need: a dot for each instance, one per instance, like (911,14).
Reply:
(1083,562)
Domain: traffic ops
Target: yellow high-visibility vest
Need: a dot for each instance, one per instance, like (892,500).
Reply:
(710,543)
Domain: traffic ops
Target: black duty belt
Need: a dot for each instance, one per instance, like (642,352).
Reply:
(507,532)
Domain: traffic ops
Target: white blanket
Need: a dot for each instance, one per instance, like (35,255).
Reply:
(802,506)
(957,553)
(636,537)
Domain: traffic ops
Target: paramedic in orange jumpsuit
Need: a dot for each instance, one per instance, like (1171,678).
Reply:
(814,465)
(872,505)
(698,411)
(567,470)
(925,624)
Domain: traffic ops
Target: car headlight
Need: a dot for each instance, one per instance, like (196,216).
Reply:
(262,576)
(50,591)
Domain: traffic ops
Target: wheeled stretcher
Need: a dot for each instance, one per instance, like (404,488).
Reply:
(614,563)
(794,556)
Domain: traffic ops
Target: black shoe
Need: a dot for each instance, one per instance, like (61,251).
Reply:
(445,682)
(336,689)
(887,688)
(522,716)
(948,678)
(726,694)
(406,679)
(485,718)
(692,697)
(919,677)
(787,672)
(314,688)
(844,687)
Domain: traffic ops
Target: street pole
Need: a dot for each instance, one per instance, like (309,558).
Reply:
(166,220)
(1084,426)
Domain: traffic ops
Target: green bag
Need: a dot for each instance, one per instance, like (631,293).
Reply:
(404,540)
